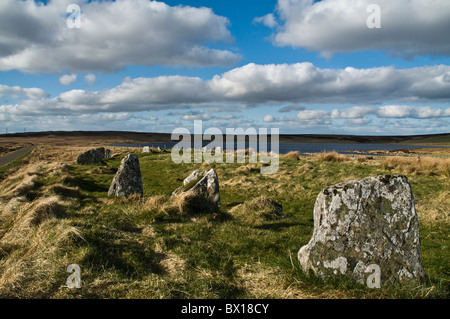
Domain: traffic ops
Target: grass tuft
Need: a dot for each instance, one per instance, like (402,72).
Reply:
(331,157)
(257,211)
(293,155)
(50,207)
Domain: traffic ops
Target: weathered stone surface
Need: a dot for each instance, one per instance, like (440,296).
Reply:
(146,149)
(128,179)
(107,153)
(204,185)
(362,225)
(93,156)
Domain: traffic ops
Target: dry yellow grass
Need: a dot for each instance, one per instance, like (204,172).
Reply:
(331,157)
(173,264)
(21,181)
(419,165)
(155,202)
(361,159)
(436,209)
(178,205)
(249,168)
(51,154)
(32,249)
(257,210)
(34,233)
(46,208)
(63,190)
(263,282)
(241,181)
(293,155)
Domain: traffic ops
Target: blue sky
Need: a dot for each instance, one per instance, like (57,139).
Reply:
(300,65)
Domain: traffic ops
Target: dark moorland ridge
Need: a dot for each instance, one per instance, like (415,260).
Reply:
(137,137)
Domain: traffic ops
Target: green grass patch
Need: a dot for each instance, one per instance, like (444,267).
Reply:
(131,248)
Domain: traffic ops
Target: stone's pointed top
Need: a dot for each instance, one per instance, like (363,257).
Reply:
(195,175)
(128,179)
(362,224)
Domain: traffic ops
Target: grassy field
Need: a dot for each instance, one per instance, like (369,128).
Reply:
(55,213)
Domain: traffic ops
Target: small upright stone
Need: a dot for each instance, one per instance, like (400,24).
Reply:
(128,179)
(204,186)
(367,230)
(146,149)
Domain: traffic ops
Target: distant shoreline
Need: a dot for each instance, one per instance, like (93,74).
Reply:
(103,137)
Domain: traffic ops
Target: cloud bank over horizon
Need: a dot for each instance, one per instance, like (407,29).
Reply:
(250,84)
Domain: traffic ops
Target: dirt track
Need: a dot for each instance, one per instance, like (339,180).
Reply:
(14,155)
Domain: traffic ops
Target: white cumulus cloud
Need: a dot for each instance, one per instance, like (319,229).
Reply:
(67,79)
(113,34)
(253,85)
(358,113)
(409,28)
(268,20)
(90,78)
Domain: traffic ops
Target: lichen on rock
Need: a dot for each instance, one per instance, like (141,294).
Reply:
(362,223)
(128,179)
(204,188)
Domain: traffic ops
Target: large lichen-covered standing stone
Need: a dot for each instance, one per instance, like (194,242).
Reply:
(128,179)
(365,226)
(204,188)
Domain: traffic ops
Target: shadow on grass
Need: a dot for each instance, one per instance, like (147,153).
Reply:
(92,183)
(234,204)
(169,218)
(131,259)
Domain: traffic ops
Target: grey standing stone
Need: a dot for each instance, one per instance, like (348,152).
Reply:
(204,186)
(93,156)
(364,225)
(128,179)
(146,149)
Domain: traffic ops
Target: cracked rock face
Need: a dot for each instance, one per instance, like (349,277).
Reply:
(359,224)
(204,185)
(128,179)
